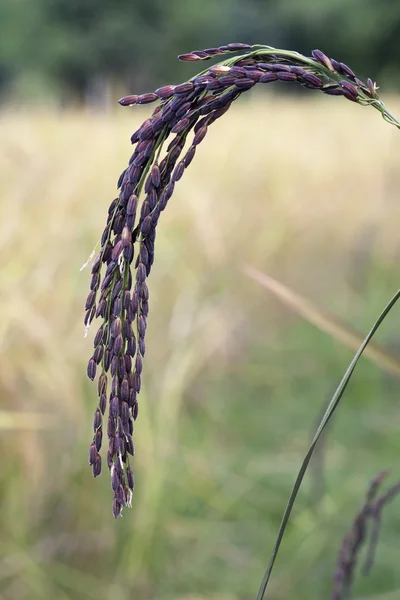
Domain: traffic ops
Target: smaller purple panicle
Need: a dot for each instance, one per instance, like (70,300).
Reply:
(369,516)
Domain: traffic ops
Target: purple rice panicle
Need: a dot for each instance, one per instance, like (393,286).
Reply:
(369,517)
(119,293)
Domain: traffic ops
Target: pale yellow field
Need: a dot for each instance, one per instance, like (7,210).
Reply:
(305,191)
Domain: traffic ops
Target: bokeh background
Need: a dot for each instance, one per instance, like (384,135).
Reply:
(300,187)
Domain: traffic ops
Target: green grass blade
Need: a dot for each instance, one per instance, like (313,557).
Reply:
(324,421)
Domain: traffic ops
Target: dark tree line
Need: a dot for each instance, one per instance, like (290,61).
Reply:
(68,45)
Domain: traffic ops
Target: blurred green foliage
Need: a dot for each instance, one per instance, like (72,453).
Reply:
(66,47)
(233,381)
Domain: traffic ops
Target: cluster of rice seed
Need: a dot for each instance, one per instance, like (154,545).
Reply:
(370,513)
(120,295)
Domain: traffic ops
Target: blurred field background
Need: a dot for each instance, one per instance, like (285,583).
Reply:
(302,188)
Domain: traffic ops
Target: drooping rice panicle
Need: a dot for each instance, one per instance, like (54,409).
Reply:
(119,293)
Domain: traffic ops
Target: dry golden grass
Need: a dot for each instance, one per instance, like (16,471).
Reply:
(303,190)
